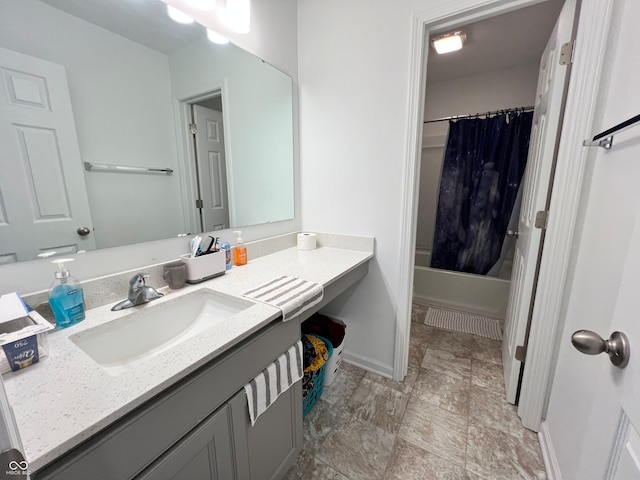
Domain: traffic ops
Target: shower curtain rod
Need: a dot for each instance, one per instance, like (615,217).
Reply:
(495,112)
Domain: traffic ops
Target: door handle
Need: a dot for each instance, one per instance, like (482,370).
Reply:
(617,346)
(513,233)
(83,231)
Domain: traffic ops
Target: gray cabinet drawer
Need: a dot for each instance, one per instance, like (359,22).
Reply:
(125,448)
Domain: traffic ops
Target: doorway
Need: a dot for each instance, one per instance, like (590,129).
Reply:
(206,198)
(483,77)
(568,177)
(501,88)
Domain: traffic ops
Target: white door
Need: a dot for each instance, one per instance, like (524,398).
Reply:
(212,169)
(593,418)
(608,434)
(619,399)
(545,130)
(43,198)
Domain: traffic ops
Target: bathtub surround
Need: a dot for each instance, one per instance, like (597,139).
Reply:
(478,294)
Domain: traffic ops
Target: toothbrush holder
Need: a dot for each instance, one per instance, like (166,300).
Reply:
(204,267)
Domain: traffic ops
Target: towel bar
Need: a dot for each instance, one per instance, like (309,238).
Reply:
(125,168)
(605,139)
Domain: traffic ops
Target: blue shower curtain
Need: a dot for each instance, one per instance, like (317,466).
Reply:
(482,168)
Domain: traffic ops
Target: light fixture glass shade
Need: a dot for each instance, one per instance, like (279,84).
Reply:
(206,5)
(237,15)
(215,37)
(178,16)
(449,42)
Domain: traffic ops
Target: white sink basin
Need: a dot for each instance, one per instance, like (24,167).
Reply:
(117,345)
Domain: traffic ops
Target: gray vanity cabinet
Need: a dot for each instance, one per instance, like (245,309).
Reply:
(205,454)
(199,428)
(262,451)
(266,450)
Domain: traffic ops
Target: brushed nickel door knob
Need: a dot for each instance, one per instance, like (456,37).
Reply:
(617,346)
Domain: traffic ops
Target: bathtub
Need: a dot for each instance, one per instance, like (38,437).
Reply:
(480,294)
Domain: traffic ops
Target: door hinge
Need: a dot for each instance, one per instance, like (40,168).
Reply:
(541,219)
(193,128)
(566,53)
(199,203)
(521,353)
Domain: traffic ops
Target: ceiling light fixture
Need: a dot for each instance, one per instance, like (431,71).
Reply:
(178,16)
(449,42)
(215,37)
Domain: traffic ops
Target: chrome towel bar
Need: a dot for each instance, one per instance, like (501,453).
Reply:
(105,167)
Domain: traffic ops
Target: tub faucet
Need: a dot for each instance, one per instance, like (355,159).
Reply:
(139,293)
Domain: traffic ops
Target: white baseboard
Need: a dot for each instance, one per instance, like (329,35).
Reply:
(548,454)
(368,364)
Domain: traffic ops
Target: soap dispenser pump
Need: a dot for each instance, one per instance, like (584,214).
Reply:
(66,296)
(239,251)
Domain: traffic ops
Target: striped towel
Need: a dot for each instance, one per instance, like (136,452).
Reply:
(265,388)
(289,293)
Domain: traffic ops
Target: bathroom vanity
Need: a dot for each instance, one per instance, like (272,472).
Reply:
(199,427)
(182,412)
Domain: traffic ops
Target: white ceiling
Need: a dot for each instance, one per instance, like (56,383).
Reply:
(145,22)
(497,43)
(509,40)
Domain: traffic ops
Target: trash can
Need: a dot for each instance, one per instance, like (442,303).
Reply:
(335,332)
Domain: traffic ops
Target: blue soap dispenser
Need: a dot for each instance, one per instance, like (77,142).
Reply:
(66,297)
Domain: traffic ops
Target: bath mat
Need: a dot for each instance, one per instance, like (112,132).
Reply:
(464,322)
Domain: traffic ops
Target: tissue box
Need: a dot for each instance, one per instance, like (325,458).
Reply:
(21,334)
(205,267)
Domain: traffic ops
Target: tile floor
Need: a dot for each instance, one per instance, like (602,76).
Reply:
(447,420)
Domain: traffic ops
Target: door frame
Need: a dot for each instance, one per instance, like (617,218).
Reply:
(186,149)
(588,57)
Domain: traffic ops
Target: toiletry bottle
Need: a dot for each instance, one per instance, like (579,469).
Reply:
(66,297)
(239,251)
(226,247)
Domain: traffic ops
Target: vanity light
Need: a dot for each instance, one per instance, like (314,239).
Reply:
(177,16)
(449,42)
(215,37)
(237,15)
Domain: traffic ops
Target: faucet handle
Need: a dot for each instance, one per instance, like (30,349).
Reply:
(138,280)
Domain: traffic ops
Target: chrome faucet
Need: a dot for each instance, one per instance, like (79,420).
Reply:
(139,293)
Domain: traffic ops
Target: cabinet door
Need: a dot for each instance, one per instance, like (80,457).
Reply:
(266,450)
(204,454)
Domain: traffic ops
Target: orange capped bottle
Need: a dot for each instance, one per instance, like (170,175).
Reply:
(239,251)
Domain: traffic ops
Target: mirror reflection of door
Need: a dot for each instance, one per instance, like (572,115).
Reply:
(43,200)
(211,168)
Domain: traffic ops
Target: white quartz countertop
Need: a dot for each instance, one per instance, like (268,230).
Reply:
(67,397)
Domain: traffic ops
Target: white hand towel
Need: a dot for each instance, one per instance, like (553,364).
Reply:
(290,294)
(277,378)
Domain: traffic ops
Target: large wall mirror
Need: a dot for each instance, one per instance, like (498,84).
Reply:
(120,126)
